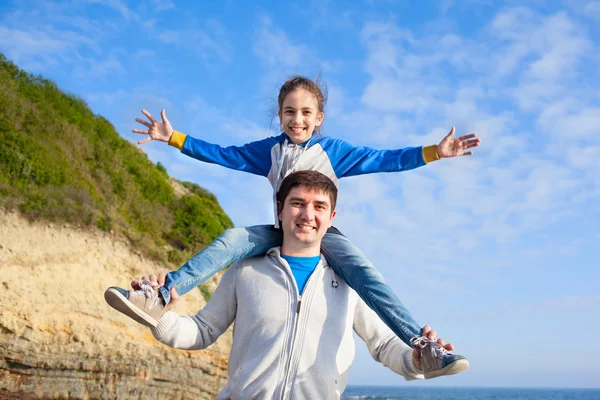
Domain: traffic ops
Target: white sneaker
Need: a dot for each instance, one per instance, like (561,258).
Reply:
(436,360)
(144,306)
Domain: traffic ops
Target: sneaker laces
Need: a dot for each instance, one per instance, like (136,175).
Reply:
(147,288)
(437,350)
(419,342)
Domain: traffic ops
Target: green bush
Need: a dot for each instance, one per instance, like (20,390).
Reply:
(198,220)
(104,223)
(162,169)
(59,161)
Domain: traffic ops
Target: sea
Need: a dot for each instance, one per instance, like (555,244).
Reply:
(454,393)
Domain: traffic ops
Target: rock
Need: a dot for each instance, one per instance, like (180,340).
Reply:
(62,340)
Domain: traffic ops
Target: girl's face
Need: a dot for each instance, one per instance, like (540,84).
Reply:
(299,115)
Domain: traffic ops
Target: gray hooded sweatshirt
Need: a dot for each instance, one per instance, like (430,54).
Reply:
(286,346)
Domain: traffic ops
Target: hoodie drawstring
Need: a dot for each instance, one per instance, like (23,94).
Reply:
(334,282)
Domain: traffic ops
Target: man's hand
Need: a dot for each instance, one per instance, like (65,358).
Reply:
(452,147)
(430,334)
(156,282)
(156,130)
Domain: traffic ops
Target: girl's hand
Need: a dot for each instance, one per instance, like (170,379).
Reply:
(157,280)
(156,130)
(452,147)
(431,335)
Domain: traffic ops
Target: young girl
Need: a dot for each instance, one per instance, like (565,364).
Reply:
(301,112)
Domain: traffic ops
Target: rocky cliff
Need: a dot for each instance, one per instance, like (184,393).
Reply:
(59,339)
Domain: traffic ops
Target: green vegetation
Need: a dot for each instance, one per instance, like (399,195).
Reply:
(206,292)
(60,162)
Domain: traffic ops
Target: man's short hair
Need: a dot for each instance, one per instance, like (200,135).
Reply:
(312,180)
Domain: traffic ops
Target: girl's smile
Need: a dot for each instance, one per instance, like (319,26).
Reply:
(300,115)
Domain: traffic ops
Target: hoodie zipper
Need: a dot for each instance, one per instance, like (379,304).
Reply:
(291,353)
(334,284)
(295,330)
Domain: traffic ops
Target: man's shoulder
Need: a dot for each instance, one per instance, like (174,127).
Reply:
(264,259)
(251,270)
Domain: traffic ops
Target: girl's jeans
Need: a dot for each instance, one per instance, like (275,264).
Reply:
(345,259)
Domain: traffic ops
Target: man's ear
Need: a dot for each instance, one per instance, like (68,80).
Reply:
(333,214)
(279,210)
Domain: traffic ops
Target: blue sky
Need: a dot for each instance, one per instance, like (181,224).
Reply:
(497,251)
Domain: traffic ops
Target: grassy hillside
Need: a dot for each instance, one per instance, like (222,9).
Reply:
(60,162)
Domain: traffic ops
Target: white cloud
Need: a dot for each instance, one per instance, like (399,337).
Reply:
(324,16)
(281,57)
(234,128)
(162,5)
(273,47)
(401,95)
(54,34)
(209,46)
(109,98)
(592,10)
(96,67)
(530,95)
(382,40)
(406,73)
(544,52)
(585,158)
(141,54)
(48,44)
(119,6)
(560,45)
(512,23)
(518,183)
(584,123)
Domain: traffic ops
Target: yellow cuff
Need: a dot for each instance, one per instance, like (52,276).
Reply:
(430,153)
(177,139)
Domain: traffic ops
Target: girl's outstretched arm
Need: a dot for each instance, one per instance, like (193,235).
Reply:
(254,157)
(349,160)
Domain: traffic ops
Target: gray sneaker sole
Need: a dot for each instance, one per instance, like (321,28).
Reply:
(456,367)
(120,303)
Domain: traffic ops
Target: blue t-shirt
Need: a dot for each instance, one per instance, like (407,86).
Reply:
(302,267)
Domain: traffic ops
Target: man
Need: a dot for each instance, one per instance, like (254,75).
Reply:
(292,336)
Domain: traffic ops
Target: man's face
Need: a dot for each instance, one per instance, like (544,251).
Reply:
(305,216)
